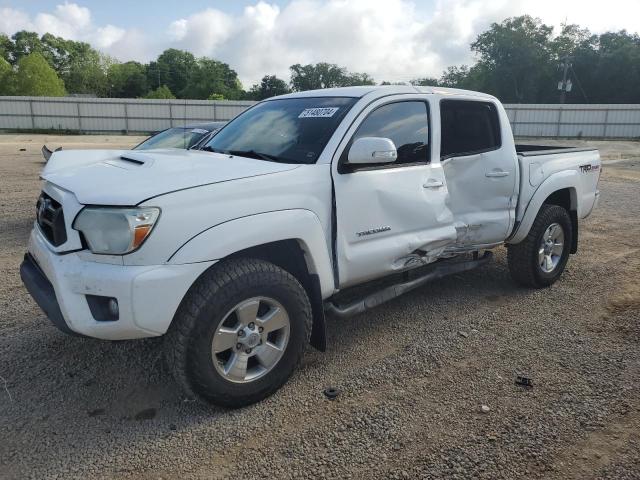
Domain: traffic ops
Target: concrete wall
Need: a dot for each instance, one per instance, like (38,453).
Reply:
(143,116)
(111,114)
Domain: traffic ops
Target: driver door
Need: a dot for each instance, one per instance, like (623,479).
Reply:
(390,217)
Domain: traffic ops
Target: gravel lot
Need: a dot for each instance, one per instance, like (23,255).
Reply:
(413,373)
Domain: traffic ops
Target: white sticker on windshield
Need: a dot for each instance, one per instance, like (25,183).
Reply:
(318,112)
(199,130)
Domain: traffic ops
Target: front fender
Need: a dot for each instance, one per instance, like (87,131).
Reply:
(224,239)
(555,182)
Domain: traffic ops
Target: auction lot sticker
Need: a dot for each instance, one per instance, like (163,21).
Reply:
(318,112)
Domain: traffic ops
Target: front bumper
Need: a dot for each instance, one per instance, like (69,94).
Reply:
(148,296)
(42,292)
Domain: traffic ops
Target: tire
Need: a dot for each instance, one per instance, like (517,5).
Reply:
(525,258)
(220,303)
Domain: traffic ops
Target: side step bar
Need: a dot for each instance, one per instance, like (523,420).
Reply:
(381,296)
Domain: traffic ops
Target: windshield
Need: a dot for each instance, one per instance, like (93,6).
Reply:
(178,137)
(290,130)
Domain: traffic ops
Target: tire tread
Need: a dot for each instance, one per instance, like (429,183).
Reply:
(520,256)
(222,281)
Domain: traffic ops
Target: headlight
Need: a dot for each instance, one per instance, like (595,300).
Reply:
(115,231)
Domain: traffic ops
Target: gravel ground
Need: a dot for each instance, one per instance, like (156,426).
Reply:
(413,374)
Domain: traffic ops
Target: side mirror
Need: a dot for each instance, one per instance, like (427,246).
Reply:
(367,150)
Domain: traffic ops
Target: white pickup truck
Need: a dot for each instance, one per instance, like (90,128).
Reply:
(322,201)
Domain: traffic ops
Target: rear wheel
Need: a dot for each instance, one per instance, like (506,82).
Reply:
(239,333)
(539,260)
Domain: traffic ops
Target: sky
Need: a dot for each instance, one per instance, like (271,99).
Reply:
(393,40)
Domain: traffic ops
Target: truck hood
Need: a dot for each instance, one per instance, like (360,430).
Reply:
(126,177)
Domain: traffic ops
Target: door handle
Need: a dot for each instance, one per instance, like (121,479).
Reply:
(498,173)
(433,183)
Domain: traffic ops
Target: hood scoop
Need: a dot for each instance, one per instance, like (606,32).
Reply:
(131,160)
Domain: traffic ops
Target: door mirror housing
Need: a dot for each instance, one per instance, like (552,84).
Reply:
(372,150)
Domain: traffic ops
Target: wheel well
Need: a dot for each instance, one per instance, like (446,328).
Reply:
(289,255)
(566,198)
(286,254)
(563,198)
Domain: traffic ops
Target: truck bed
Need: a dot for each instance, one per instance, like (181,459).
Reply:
(538,163)
(533,150)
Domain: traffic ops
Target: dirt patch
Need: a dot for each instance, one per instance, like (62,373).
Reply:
(411,385)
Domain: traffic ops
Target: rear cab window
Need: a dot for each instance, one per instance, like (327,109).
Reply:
(468,127)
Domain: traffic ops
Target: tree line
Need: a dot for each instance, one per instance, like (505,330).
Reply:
(520,60)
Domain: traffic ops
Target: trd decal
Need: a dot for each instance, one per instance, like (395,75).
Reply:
(589,168)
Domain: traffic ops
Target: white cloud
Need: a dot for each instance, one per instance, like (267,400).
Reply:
(74,22)
(68,21)
(389,39)
(393,40)
(12,20)
(203,32)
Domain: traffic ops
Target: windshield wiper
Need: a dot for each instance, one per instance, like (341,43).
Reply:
(258,155)
(211,149)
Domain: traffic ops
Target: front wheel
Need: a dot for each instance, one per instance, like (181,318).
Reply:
(239,333)
(539,260)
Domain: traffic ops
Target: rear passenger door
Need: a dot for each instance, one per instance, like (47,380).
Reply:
(480,168)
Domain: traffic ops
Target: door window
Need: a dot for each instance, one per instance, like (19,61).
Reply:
(406,124)
(468,127)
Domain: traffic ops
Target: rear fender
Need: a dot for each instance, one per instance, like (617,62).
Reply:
(557,181)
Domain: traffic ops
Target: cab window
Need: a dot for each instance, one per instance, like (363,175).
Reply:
(406,124)
(468,127)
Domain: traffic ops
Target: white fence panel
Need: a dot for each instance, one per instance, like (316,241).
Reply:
(597,121)
(92,115)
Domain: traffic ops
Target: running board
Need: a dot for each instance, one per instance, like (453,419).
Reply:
(388,293)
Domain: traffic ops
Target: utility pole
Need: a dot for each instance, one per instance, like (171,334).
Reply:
(565,85)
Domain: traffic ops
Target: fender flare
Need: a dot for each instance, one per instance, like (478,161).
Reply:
(221,240)
(557,181)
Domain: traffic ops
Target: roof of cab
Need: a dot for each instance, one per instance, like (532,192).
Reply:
(380,91)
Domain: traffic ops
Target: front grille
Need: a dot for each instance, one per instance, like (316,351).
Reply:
(51,220)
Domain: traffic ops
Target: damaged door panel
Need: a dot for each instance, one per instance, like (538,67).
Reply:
(392,217)
(481,179)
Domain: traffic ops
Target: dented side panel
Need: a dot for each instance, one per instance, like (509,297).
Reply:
(389,219)
(389,222)
(483,190)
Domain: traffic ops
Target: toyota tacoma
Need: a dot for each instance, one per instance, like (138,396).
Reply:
(320,202)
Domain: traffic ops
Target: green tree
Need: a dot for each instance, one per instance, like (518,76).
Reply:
(80,66)
(6,78)
(325,75)
(269,86)
(24,43)
(173,68)
(213,77)
(516,58)
(425,82)
(571,38)
(613,75)
(6,46)
(470,78)
(36,77)
(84,70)
(355,79)
(162,92)
(127,80)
